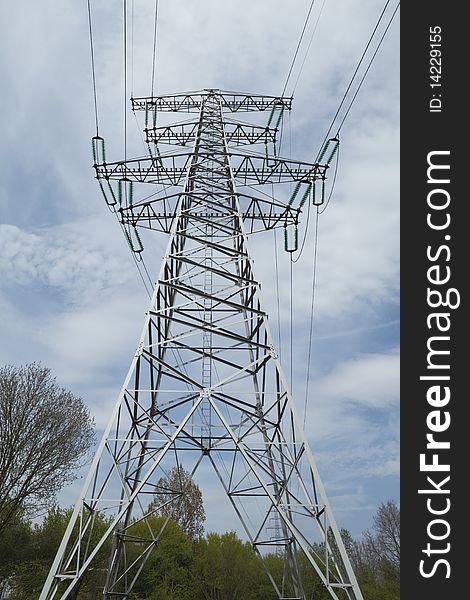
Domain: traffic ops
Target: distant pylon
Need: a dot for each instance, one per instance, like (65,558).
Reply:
(205,385)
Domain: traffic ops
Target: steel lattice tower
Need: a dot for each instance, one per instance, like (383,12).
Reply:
(205,386)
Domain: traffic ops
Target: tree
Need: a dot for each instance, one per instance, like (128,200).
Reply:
(228,569)
(15,547)
(37,546)
(45,434)
(379,571)
(384,539)
(180,498)
(168,573)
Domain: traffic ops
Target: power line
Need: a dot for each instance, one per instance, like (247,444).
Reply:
(291,326)
(315,253)
(353,76)
(349,108)
(312,313)
(154,52)
(298,47)
(95,99)
(308,47)
(369,65)
(279,336)
(132,48)
(124,4)
(135,259)
(92,54)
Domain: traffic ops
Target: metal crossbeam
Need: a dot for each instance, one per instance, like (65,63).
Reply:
(159,213)
(192,101)
(248,169)
(182,134)
(205,385)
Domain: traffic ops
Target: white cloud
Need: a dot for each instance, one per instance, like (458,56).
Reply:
(70,263)
(371,380)
(352,420)
(89,344)
(347,402)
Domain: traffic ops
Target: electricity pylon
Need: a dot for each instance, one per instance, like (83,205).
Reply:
(205,386)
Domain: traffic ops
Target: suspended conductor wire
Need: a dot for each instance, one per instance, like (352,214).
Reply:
(146,271)
(298,47)
(349,108)
(291,341)
(132,48)
(308,47)
(146,147)
(379,20)
(124,4)
(289,124)
(93,71)
(369,65)
(312,314)
(277,295)
(95,99)
(154,52)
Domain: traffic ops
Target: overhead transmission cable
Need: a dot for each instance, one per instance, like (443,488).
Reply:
(312,314)
(338,110)
(298,47)
(136,262)
(95,103)
(349,107)
(132,48)
(154,51)
(291,330)
(93,70)
(124,4)
(315,254)
(279,327)
(308,47)
(125,57)
(368,66)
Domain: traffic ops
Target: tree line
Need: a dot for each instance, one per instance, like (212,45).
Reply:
(217,566)
(46,433)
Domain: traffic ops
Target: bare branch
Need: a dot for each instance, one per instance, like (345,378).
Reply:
(45,434)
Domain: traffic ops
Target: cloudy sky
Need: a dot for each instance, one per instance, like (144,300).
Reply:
(70,294)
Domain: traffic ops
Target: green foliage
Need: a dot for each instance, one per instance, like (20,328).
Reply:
(29,579)
(227,568)
(168,572)
(313,586)
(15,547)
(217,567)
(27,552)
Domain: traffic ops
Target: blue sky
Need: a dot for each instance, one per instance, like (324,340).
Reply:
(70,295)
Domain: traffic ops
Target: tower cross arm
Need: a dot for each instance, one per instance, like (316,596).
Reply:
(261,213)
(230,101)
(262,169)
(247,169)
(166,169)
(236,133)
